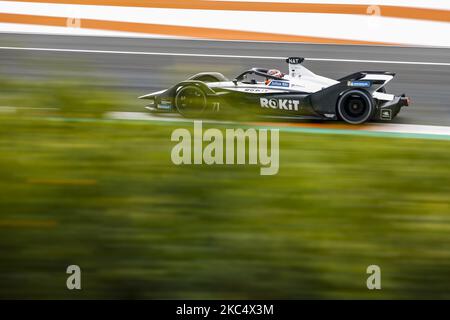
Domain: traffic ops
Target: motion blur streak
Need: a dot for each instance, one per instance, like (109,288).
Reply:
(194,32)
(427,84)
(386,130)
(28,223)
(346,23)
(149,229)
(220,56)
(336,8)
(63,182)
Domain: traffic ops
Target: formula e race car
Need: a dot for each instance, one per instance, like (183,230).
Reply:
(300,94)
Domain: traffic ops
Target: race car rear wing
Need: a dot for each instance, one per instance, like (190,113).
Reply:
(362,74)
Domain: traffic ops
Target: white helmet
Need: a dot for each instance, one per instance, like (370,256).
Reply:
(275,73)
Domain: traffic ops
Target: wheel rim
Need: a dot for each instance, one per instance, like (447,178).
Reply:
(355,107)
(190,101)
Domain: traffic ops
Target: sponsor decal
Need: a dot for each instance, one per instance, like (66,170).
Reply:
(255,90)
(282,104)
(359,83)
(165,104)
(294,60)
(293,85)
(386,114)
(277,83)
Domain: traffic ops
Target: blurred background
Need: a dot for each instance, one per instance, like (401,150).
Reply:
(78,187)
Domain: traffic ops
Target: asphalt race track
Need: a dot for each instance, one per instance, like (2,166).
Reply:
(141,65)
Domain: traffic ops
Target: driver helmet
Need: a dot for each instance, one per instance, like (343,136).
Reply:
(275,73)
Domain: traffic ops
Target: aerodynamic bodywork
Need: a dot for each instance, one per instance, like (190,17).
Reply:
(300,94)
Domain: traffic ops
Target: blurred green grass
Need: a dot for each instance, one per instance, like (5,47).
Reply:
(105,195)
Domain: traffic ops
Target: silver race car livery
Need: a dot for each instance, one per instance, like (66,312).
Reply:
(299,94)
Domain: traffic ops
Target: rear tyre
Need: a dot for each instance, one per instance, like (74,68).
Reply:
(190,101)
(355,107)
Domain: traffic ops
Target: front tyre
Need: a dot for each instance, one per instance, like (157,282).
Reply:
(355,106)
(190,101)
